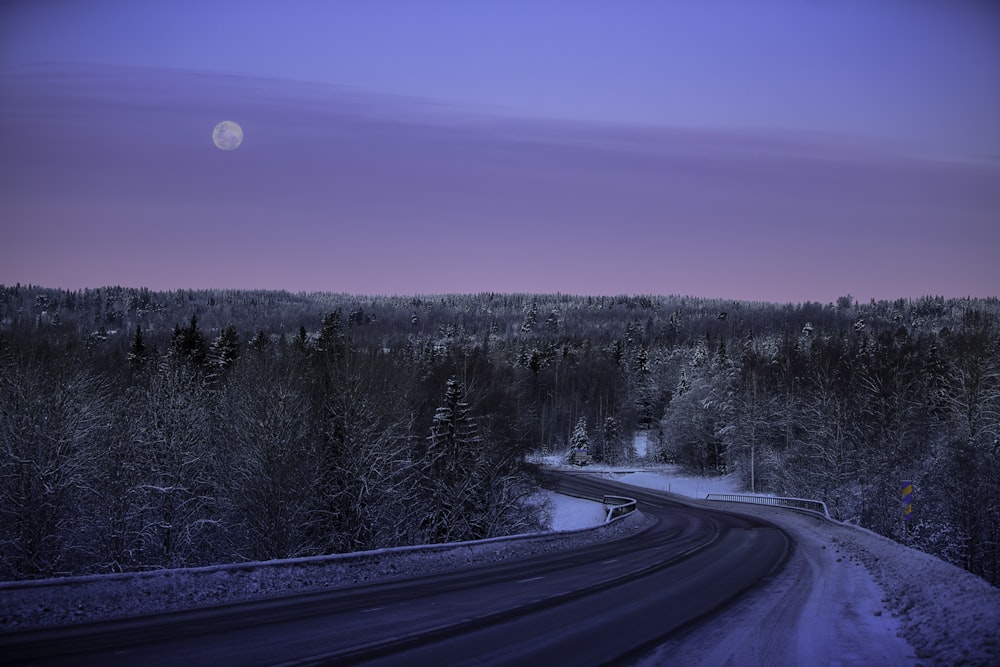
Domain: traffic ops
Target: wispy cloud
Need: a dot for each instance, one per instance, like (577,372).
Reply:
(339,189)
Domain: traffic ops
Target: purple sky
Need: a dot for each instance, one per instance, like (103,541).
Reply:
(783,151)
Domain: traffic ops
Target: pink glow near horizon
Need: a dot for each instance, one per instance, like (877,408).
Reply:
(869,186)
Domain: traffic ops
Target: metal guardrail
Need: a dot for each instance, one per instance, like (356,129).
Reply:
(805,504)
(617,507)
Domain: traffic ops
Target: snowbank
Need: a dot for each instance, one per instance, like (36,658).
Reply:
(948,616)
(569,513)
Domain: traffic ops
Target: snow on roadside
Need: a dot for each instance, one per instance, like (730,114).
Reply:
(946,614)
(569,513)
(950,616)
(669,479)
(822,608)
(659,476)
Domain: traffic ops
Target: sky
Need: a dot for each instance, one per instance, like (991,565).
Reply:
(781,150)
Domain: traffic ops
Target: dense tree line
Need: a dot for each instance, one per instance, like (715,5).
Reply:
(147,429)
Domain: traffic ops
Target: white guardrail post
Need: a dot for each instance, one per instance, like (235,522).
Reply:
(803,504)
(617,507)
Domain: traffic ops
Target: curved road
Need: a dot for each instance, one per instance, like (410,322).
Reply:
(606,603)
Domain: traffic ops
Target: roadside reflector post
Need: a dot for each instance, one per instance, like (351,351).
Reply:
(907,498)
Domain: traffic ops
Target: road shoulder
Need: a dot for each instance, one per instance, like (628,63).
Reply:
(824,607)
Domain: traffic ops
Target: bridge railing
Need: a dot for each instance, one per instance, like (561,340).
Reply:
(617,507)
(804,504)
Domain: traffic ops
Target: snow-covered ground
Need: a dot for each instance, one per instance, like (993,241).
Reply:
(824,608)
(846,597)
(669,478)
(641,441)
(659,476)
(569,513)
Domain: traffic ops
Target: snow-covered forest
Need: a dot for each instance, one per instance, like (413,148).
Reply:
(144,430)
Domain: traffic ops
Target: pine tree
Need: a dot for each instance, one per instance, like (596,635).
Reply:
(530,319)
(451,470)
(260,343)
(225,349)
(301,341)
(331,334)
(683,385)
(641,364)
(614,449)
(188,343)
(553,321)
(579,452)
(453,432)
(137,352)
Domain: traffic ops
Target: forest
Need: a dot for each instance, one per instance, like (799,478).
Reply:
(144,430)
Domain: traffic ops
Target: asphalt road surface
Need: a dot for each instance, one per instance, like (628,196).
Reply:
(603,604)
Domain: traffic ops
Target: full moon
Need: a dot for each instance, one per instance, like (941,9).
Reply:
(227,135)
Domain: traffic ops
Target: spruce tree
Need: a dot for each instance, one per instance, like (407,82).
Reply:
(454,436)
(331,334)
(188,343)
(580,443)
(260,342)
(614,451)
(137,352)
(450,469)
(225,349)
(530,319)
